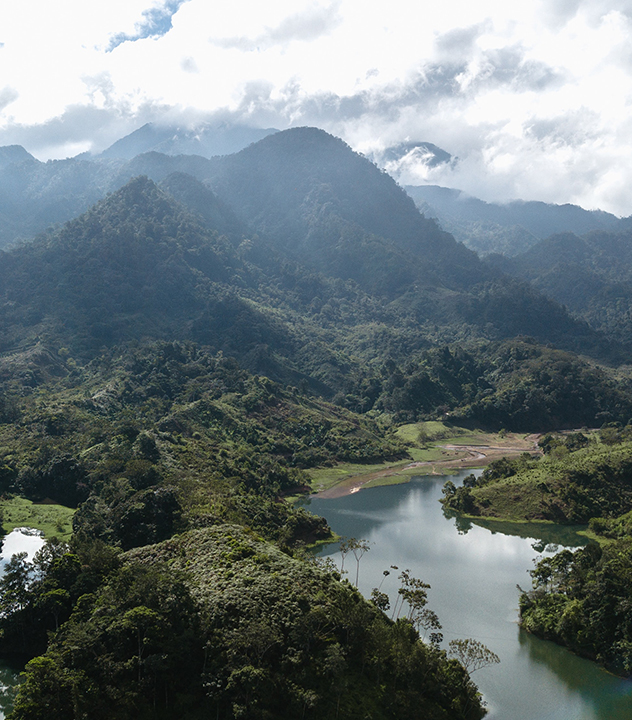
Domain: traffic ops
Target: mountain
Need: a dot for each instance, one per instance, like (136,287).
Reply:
(35,195)
(403,158)
(205,140)
(173,361)
(508,228)
(591,275)
(13,155)
(301,213)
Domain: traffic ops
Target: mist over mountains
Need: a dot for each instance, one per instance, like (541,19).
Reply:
(506,228)
(204,140)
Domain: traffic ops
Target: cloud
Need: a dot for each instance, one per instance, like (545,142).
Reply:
(7,96)
(189,65)
(156,22)
(572,129)
(533,98)
(305,26)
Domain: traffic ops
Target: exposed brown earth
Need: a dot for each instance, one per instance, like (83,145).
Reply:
(469,456)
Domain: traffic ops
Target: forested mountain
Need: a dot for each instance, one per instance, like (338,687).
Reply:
(508,228)
(141,265)
(591,275)
(174,358)
(35,195)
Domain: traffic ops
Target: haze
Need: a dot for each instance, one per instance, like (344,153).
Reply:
(532,98)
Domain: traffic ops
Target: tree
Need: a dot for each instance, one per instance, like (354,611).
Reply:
(56,602)
(14,585)
(358,548)
(146,624)
(472,654)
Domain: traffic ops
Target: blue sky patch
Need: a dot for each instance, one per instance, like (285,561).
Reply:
(156,22)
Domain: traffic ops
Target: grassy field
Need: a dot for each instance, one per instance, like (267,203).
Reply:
(434,443)
(429,431)
(325,478)
(52,520)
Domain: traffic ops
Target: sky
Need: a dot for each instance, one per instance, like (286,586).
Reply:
(531,99)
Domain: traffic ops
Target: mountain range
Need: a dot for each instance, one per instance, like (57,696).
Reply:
(325,232)
(506,228)
(191,338)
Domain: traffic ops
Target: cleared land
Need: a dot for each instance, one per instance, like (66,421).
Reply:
(53,520)
(435,449)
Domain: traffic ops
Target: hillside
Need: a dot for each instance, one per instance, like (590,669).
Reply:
(507,228)
(591,275)
(140,266)
(218,623)
(591,480)
(173,361)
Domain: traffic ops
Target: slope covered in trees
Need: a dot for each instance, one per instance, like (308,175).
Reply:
(218,623)
(509,228)
(175,358)
(590,274)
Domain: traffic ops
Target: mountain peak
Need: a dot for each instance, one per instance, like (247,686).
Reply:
(13,154)
(205,139)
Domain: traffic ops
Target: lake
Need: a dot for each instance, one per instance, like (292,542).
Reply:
(473,573)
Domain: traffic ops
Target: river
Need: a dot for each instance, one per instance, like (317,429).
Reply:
(473,575)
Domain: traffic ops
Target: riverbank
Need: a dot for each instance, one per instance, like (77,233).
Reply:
(434,448)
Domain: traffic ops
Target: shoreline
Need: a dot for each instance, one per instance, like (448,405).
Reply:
(479,456)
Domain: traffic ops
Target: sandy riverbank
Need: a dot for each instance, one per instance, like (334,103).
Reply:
(475,456)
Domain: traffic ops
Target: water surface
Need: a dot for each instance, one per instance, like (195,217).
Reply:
(473,575)
(18,540)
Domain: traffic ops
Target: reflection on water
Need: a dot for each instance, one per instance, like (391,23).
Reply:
(473,572)
(606,694)
(18,540)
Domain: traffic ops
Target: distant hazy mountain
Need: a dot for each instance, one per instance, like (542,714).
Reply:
(35,195)
(307,200)
(590,275)
(508,228)
(310,224)
(14,154)
(204,140)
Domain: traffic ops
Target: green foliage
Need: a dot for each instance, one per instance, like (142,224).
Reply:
(36,597)
(216,623)
(163,436)
(595,481)
(582,600)
(167,380)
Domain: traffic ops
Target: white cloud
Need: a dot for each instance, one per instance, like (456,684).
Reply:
(533,98)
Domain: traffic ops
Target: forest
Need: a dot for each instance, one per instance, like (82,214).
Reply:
(178,357)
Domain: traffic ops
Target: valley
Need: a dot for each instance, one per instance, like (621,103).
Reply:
(452,450)
(201,344)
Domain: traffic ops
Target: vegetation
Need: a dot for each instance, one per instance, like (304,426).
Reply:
(50,519)
(563,487)
(174,362)
(216,622)
(582,600)
(579,598)
(589,273)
